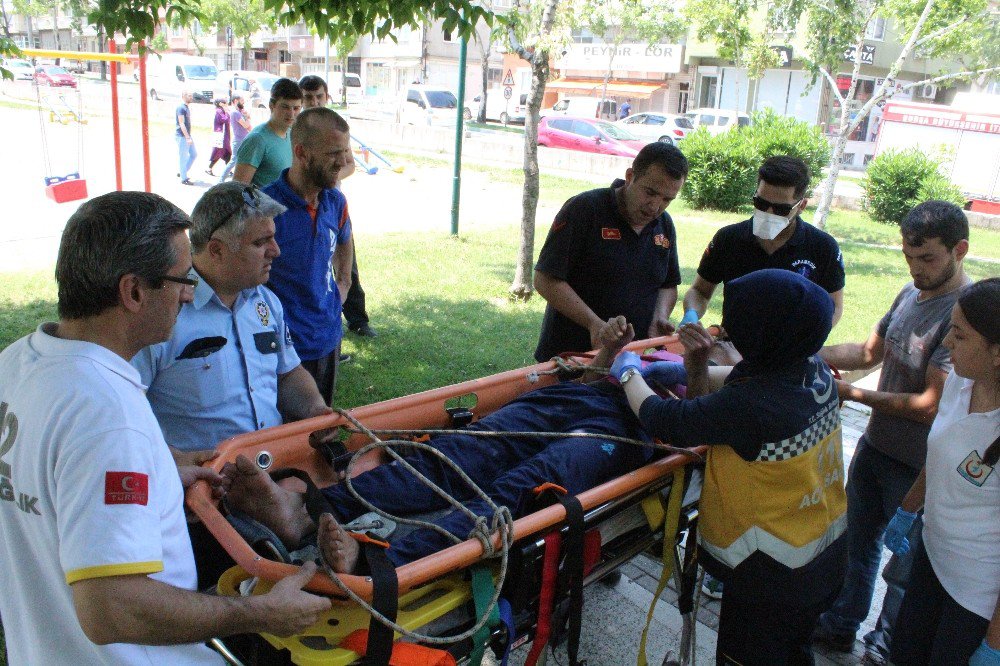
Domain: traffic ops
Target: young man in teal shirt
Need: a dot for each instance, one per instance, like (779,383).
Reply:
(267,149)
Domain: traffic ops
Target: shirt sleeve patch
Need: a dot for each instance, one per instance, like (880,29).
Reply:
(126,488)
(106,570)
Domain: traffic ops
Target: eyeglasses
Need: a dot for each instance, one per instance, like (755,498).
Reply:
(782,209)
(250,198)
(187,282)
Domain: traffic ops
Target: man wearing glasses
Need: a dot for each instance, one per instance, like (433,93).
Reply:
(775,237)
(98,566)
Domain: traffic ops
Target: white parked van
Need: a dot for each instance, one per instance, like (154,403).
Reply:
(583,107)
(349,81)
(427,105)
(717,121)
(170,74)
(254,87)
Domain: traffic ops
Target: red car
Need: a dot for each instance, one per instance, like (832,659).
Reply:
(53,75)
(589,135)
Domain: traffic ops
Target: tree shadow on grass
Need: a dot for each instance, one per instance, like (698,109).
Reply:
(18,320)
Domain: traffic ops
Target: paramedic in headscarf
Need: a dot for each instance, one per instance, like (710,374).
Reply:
(773,503)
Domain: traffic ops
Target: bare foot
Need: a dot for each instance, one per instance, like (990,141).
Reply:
(339,549)
(255,493)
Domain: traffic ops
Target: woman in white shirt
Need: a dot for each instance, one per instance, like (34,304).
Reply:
(951,611)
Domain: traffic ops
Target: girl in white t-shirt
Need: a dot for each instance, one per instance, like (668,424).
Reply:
(951,611)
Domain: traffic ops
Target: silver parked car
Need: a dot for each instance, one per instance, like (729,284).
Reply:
(657,126)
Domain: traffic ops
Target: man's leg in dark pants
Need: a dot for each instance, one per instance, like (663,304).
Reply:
(354,305)
(324,371)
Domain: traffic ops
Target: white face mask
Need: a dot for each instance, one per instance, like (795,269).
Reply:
(767,226)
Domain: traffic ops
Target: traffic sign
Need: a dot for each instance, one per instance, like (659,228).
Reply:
(507,92)
(508,79)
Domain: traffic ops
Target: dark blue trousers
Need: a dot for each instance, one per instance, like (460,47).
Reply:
(505,468)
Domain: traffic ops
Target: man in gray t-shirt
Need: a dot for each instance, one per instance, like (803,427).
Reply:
(908,344)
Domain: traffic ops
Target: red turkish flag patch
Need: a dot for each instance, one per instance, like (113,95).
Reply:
(126,488)
(610,233)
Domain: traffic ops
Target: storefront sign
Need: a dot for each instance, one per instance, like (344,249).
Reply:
(628,57)
(867,54)
(895,89)
(945,118)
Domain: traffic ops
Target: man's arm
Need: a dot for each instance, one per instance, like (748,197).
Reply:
(699,295)
(183,127)
(666,298)
(920,407)
(838,306)
(568,303)
(244,172)
(614,334)
(854,356)
(343,257)
(298,397)
(138,609)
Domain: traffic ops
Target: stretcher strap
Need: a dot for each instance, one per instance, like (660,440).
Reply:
(669,538)
(482,595)
(403,654)
(573,568)
(385,599)
(546,596)
(507,617)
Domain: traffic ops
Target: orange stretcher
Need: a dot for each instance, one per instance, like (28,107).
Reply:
(288,446)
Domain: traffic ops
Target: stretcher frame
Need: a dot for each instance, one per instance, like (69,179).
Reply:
(287,446)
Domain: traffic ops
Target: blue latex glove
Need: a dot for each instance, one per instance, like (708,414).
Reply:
(665,372)
(896,531)
(623,362)
(985,656)
(690,317)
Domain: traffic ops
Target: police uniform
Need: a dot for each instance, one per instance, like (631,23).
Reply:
(613,269)
(217,375)
(88,489)
(810,252)
(773,507)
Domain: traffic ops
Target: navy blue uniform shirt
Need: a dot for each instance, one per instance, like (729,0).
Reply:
(616,271)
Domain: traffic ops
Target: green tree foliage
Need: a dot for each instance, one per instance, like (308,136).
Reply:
(724,167)
(136,19)
(897,180)
(245,17)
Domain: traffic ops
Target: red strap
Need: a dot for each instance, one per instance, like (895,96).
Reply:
(591,550)
(550,572)
(548,485)
(403,654)
(364,538)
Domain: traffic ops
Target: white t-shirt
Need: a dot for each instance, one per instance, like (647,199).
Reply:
(91,491)
(962,504)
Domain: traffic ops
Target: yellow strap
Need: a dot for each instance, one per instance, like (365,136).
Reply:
(669,537)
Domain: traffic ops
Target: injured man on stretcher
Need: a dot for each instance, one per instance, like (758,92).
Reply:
(506,469)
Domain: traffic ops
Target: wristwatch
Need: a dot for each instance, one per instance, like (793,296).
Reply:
(627,375)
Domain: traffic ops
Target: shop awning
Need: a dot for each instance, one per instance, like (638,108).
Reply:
(593,88)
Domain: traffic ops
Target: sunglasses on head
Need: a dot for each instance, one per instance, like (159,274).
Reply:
(250,198)
(782,209)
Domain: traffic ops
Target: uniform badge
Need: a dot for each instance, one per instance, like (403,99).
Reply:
(288,336)
(610,233)
(263,313)
(662,241)
(974,470)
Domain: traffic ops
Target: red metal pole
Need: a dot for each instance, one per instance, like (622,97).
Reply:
(144,116)
(115,126)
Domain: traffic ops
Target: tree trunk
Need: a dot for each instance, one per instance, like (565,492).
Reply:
(481,112)
(55,30)
(343,80)
(826,200)
(522,286)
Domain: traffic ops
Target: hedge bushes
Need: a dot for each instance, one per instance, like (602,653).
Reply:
(896,181)
(724,167)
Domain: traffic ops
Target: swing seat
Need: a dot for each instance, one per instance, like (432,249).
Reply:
(66,188)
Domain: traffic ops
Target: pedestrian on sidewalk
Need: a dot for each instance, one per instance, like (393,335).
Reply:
(239,122)
(221,141)
(185,141)
(909,343)
(314,94)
